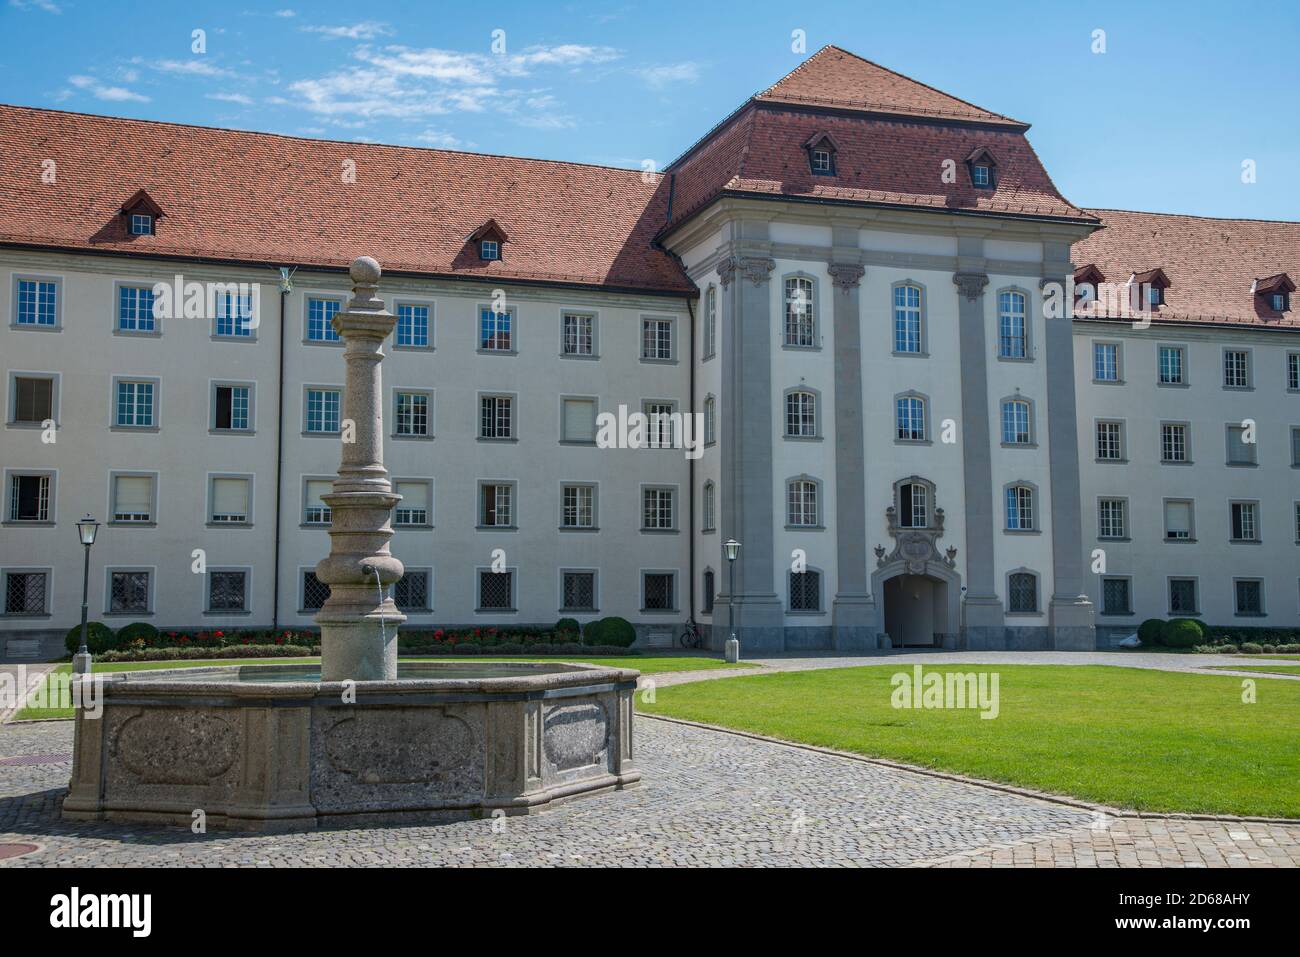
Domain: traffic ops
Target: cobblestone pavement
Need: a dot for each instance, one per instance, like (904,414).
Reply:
(708,798)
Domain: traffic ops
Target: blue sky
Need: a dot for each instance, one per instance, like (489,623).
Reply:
(1163,120)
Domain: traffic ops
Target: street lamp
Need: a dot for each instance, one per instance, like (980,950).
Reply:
(87,529)
(732,549)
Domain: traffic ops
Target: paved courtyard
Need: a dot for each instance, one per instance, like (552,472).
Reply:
(709,798)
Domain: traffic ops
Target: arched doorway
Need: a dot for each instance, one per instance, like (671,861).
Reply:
(916,611)
(919,588)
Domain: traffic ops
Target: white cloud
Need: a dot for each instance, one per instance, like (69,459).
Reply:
(368,30)
(665,74)
(101,92)
(49,6)
(239,98)
(285,13)
(186,67)
(442,140)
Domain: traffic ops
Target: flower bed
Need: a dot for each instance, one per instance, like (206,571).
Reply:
(193,653)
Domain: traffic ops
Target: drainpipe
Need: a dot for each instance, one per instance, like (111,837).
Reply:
(690,496)
(286,286)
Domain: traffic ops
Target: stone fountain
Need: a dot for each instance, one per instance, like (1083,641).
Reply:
(364,738)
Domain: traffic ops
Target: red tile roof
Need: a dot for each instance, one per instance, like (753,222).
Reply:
(1210,263)
(258,197)
(838,79)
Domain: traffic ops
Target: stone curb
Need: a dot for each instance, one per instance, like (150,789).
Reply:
(979,782)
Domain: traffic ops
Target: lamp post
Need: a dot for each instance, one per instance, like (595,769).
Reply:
(87,529)
(732,549)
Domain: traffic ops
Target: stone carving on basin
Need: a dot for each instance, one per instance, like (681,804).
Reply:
(176,746)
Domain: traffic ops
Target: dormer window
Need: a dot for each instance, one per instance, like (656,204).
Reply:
(489,249)
(141,224)
(489,240)
(1281,302)
(1087,279)
(821,149)
(1155,296)
(1150,286)
(983,169)
(141,214)
(1274,292)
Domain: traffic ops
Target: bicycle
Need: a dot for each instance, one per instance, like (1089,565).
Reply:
(691,637)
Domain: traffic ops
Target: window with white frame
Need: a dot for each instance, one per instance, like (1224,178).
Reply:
(913,505)
(235,315)
(907,319)
(657,508)
(1116,596)
(1178,520)
(1173,442)
(806,591)
(1020,508)
(320,315)
(141,224)
(1182,596)
(711,322)
(411,591)
(412,414)
(1110,441)
(323,410)
(1171,365)
(909,418)
(800,326)
(26,592)
(496,417)
(1245,521)
(981,175)
(496,329)
(660,424)
(800,414)
(579,591)
(135,404)
(1015,422)
(656,339)
(413,509)
(1293,371)
(709,511)
(37,302)
(29,498)
(128,592)
(1022,593)
(1013,340)
(230,408)
(578,420)
(1112,518)
(315,510)
(1295,446)
(489,249)
(801,503)
(135,309)
(497,504)
(1105,361)
(413,325)
(230,500)
(579,334)
(227,590)
(578,506)
(710,420)
(133,498)
(1236,369)
(822,163)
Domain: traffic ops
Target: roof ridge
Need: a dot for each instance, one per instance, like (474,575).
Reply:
(1219,219)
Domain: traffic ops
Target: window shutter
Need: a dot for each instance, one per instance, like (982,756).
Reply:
(34,400)
(224,397)
(1178,517)
(230,496)
(414,494)
(133,495)
(579,420)
(316,490)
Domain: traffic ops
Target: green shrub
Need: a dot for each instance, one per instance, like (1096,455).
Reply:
(592,631)
(1149,631)
(567,626)
(617,632)
(190,654)
(1181,633)
(1288,649)
(1250,648)
(99,638)
(140,631)
(1270,649)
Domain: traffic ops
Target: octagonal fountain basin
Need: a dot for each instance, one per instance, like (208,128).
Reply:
(272,747)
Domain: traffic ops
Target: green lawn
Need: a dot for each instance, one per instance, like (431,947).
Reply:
(1152,740)
(1275,669)
(647,664)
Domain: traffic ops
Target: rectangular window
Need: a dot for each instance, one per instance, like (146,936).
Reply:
(133,497)
(235,315)
(231,412)
(657,509)
(316,510)
(805,591)
(711,323)
(1171,365)
(411,591)
(412,414)
(799,322)
(1012,340)
(1015,423)
(497,505)
(821,161)
(33,399)
(1105,362)
(37,302)
(1173,443)
(658,591)
(1020,508)
(135,309)
(1182,596)
(413,326)
(909,412)
(230,500)
(660,423)
(1112,518)
(29,498)
(1236,369)
(413,509)
(801,503)
(1293,371)
(980,175)
(320,314)
(579,591)
(1240,452)
(495,330)
(579,334)
(135,404)
(801,414)
(1178,520)
(489,249)
(228,591)
(323,410)
(1022,593)
(907,319)
(25,593)
(314,592)
(1295,446)
(496,590)
(578,420)
(1249,597)
(1115,597)
(709,517)
(1110,441)
(578,506)
(709,592)
(914,505)
(128,592)
(710,420)
(656,339)
(496,417)
(141,224)
(1245,527)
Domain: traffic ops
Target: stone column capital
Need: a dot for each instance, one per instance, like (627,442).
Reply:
(754,268)
(846,276)
(970,284)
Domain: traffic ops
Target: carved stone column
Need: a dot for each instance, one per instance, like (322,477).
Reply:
(358,624)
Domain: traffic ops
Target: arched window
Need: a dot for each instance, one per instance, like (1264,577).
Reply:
(710,420)
(710,322)
(1015,422)
(1020,508)
(708,592)
(1012,341)
(799,322)
(909,418)
(1022,593)
(907,319)
(806,590)
(801,502)
(800,414)
(913,505)
(709,506)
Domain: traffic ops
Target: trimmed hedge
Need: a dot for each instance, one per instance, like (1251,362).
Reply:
(568,626)
(613,631)
(565,649)
(1150,631)
(1182,633)
(139,634)
(99,638)
(189,654)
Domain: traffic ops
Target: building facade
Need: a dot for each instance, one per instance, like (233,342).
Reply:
(835,312)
